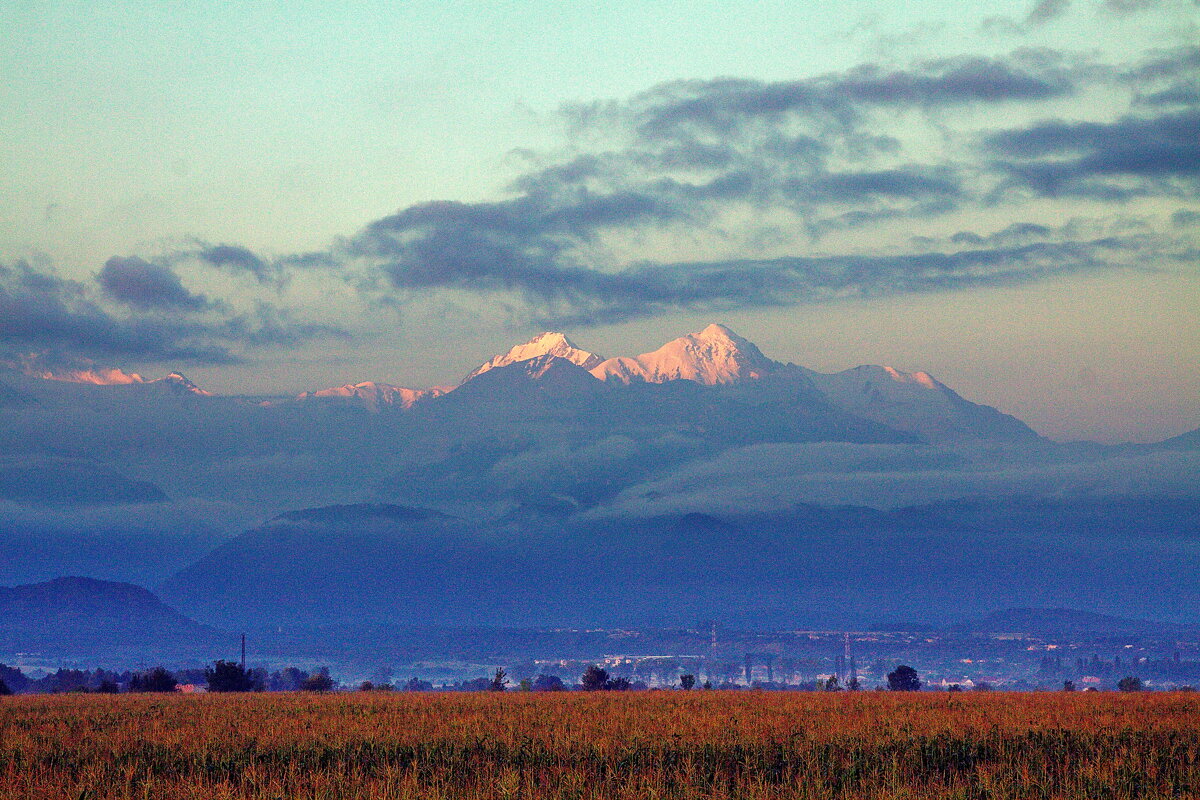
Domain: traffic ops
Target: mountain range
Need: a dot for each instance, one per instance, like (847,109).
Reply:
(553,485)
(912,403)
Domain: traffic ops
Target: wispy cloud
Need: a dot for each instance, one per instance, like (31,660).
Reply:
(819,155)
(67,322)
(754,175)
(720,285)
(237,259)
(1044,11)
(1056,157)
(144,286)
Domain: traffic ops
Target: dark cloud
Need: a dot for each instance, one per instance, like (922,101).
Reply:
(911,182)
(1016,233)
(1044,11)
(63,321)
(306,261)
(1167,78)
(696,159)
(1058,137)
(1061,158)
(518,244)
(529,244)
(145,286)
(237,259)
(801,279)
(726,104)
(1185,218)
(683,155)
(960,238)
(40,312)
(1179,94)
(1165,64)
(270,326)
(652,289)
(1041,13)
(1129,6)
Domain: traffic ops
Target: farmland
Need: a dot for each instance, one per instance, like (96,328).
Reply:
(601,745)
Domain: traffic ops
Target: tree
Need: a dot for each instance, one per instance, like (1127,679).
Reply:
(619,684)
(499,680)
(594,678)
(290,679)
(983,686)
(228,676)
(1130,684)
(154,680)
(319,681)
(66,680)
(415,684)
(687,681)
(107,686)
(13,678)
(854,685)
(832,684)
(904,679)
(1068,686)
(4,690)
(954,687)
(548,683)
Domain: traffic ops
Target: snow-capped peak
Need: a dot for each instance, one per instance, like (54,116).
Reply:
(114,376)
(549,343)
(180,382)
(915,402)
(714,355)
(97,376)
(375,395)
(919,378)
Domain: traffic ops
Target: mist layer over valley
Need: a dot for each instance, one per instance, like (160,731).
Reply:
(557,487)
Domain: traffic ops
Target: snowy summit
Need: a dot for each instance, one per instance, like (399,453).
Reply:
(549,343)
(714,355)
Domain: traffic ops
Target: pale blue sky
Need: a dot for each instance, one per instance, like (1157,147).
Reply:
(139,129)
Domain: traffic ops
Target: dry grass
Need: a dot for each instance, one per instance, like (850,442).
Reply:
(604,745)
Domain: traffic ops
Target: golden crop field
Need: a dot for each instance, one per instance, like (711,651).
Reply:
(601,745)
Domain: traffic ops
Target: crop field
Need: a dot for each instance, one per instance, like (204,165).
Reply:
(601,745)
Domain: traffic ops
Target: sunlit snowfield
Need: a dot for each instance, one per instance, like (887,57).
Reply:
(602,745)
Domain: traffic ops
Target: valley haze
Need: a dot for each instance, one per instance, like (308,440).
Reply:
(554,488)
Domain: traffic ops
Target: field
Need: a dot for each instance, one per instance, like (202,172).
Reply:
(601,745)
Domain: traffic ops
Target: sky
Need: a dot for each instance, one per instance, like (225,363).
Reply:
(279,197)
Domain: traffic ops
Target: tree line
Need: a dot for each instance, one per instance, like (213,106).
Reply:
(231,676)
(220,676)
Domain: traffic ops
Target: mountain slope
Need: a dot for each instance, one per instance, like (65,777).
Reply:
(83,617)
(808,565)
(353,562)
(712,356)
(549,343)
(372,396)
(917,403)
(57,482)
(1184,441)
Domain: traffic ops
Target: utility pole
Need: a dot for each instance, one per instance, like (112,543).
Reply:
(243,652)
